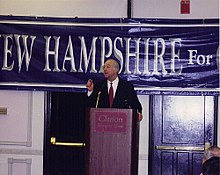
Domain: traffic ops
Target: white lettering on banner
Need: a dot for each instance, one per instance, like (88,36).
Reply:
(7,39)
(84,55)
(200,59)
(218,58)
(118,53)
(137,43)
(133,54)
(8,54)
(104,55)
(146,57)
(160,56)
(128,54)
(55,53)
(69,51)
(175,56)
(25,51)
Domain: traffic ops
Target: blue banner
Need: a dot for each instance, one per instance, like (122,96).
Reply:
(155,55)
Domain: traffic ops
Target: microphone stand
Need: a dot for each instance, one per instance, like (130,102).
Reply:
(97,100)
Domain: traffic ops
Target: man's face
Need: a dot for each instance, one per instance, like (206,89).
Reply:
(110,72)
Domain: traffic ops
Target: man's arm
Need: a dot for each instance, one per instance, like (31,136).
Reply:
(134,101)
(90,93)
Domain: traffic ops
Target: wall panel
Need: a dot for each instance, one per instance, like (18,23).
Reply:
(199,9)
(65,8)
(21,133)
(19,166)
(16,125)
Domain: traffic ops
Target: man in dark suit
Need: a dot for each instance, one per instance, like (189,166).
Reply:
(211,166)
(124,95)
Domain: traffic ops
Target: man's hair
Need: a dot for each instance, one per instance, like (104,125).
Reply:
(211,166)
(116,65)
(212,151)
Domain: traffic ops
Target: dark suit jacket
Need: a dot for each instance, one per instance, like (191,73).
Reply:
(125,96)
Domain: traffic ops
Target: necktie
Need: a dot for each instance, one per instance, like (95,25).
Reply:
(111,95)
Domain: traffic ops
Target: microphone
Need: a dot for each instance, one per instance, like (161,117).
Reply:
(99,93)
(97,99)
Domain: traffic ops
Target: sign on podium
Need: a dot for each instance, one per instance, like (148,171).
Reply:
(112,142)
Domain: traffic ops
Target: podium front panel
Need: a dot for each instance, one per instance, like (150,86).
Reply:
(110,144)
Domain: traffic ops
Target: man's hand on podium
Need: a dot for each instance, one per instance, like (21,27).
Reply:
(140,116)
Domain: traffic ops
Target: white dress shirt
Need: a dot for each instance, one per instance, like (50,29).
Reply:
(114,85)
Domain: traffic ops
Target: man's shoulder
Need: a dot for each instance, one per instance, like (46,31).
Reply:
(125,82)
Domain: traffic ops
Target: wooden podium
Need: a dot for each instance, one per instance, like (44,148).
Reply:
(112,142)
